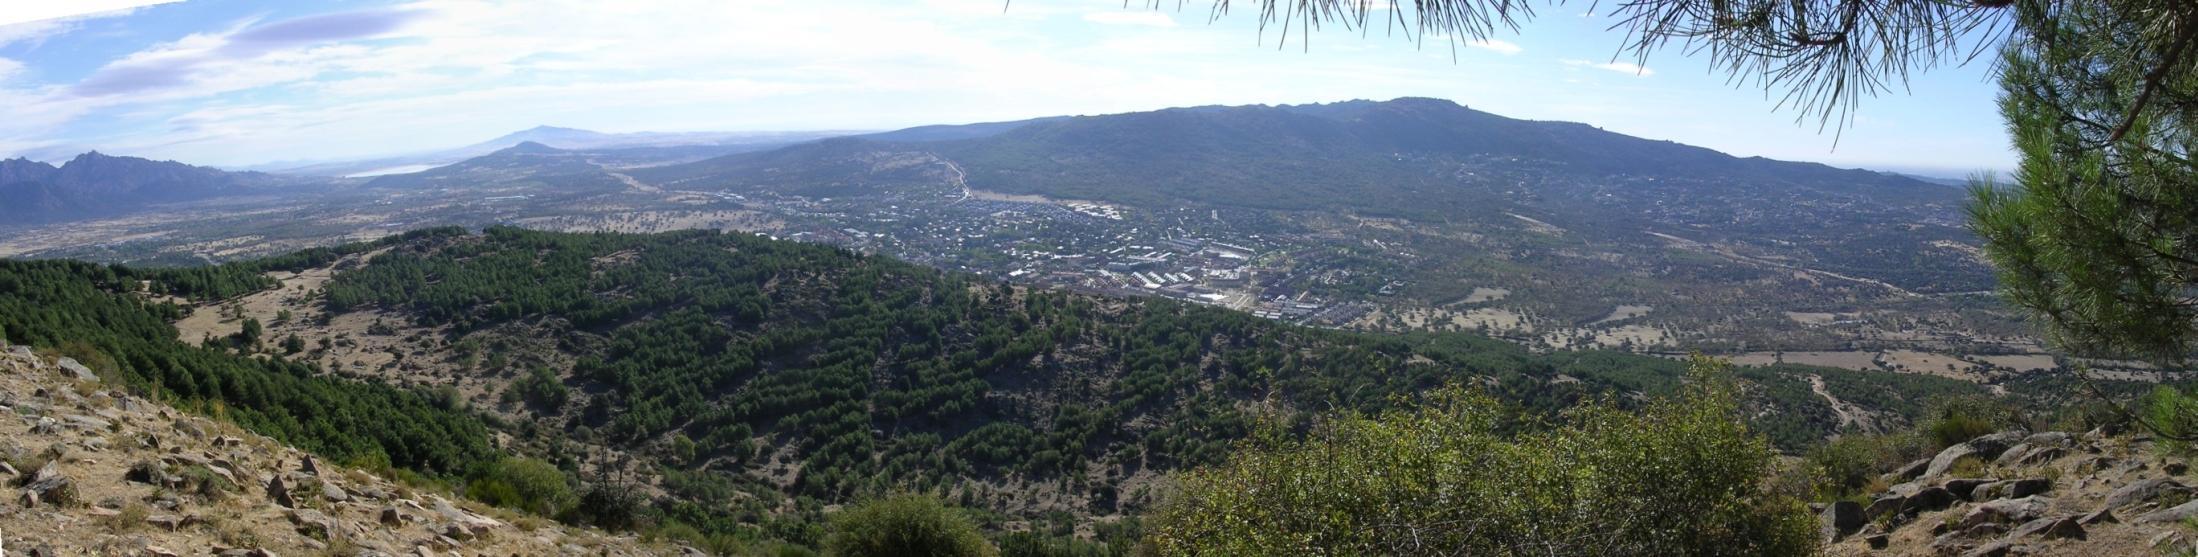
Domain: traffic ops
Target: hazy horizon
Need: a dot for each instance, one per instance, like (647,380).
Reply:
(238,84)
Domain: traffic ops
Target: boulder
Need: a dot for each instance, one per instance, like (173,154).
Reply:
(2005,511)
(1949,543)
(1883,505)
(1994,549)
(89,423)
(1878,541)
(2146,490)
(167,522)
(1964,487)
(2042,456)
(1928,499)
(2050,439)
(76,370)
(330,492)
(2051,528)
(2101,516)
(1984,447)
(2176,513)
(2014,454)
(47,485)
(1840,519)
(1985,530)
(390,517)
(1908,471)
(2013,489)
(279,492)
(311,523)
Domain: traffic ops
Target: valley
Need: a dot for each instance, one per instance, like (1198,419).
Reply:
(976,278)
(1787,260)
(772,377)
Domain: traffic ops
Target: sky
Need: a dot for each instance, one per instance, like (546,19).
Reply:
(239,83)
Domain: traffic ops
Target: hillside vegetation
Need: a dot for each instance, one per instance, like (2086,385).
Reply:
(726,388)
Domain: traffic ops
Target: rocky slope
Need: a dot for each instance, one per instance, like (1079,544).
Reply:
(92,470)
(2021,493)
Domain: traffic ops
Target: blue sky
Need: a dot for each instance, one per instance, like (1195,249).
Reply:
(229,82)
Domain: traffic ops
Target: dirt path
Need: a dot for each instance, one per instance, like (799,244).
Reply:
(637,185)
(961,180)
(1850,416)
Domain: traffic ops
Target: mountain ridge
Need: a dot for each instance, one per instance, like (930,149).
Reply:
(96,184)
(1290,156)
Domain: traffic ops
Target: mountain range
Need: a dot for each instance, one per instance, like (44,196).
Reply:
(702,144)
(1385,157)
(95,184)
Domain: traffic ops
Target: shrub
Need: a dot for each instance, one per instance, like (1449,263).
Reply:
(1960,419)
(1849,465)
(905,525)
(524,484)
(1682,476)
(540,388)
(608,506)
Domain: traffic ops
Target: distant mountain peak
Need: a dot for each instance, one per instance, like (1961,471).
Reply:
(1428,101)
(529,148)
(554,129)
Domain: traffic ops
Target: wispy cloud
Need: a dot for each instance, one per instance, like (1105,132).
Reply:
(1504,47)
(1620,67)
(1144,18)
(190,60)
(34,22)
(24,12)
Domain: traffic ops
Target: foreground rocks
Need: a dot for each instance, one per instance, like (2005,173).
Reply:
(2049,493)
(89,470)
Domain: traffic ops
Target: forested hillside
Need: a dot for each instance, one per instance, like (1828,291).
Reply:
(829,374)
(87,312)
(748,381)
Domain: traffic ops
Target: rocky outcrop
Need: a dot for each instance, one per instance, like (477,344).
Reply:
(88,470)
(2049,493)
(1986,447)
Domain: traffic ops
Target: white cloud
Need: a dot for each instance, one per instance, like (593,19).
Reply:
(1620,67)
(36,20)
(8,69)
(1144,18)
(33,10)
(1504,47)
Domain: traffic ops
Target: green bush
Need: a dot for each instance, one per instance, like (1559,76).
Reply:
(1848,465)
(608,506)
(904,526)
(524,484)
(1959,419)
(1682,476)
